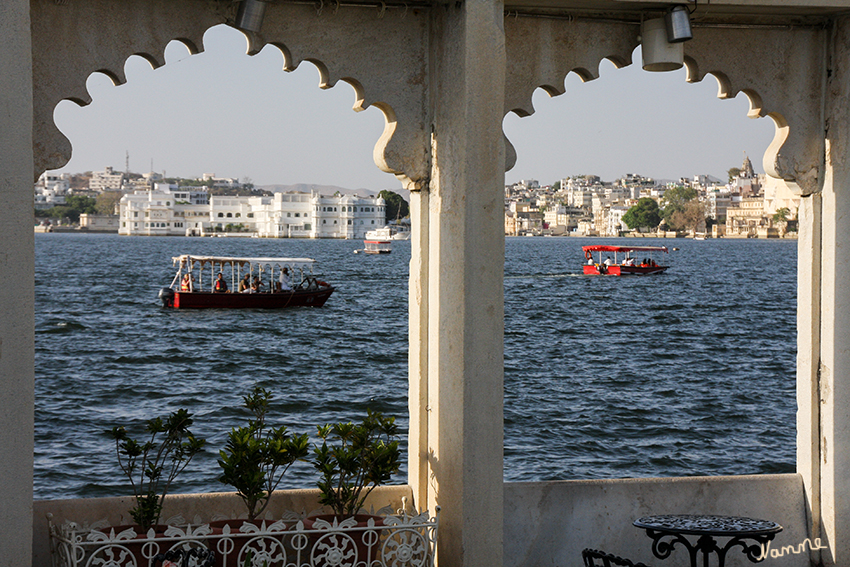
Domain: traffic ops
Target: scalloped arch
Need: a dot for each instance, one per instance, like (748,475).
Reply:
(764,64)
(398,86)
(99,37)
(768,65)
(384,59)
(540,53)
(725,90)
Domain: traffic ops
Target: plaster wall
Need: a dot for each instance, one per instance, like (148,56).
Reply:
(547,524)
(16,271)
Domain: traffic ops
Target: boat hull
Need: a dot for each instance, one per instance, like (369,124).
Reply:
(377,246)
(617,270)
(279,300)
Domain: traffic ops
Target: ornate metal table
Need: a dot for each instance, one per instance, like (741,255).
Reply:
(667,531)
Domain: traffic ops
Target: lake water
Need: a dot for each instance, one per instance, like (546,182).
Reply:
(687,373)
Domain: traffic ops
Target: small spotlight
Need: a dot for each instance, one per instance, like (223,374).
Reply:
(250,15)
(678,23)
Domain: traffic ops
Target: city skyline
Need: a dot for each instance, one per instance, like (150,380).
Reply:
(227,113)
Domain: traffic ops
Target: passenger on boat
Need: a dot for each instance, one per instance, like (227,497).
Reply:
(284,280)
(187,284)
(245,284)
(256,285)
(629,262)
(220,284)
(608,261)
(590,261)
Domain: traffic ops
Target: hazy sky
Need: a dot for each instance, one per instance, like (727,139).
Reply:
(226,113)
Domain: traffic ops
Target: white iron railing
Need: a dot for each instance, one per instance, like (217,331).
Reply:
(383,540)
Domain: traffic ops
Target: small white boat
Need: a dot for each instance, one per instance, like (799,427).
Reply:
(389,232)
(379,241)
(400,232)
(377,246)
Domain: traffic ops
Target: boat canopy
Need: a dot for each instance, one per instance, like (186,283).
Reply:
(604,248)
(189,261)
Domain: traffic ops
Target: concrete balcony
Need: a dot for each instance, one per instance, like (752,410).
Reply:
(546,523)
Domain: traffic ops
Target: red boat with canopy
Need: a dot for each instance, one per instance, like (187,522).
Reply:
(626,265)
(244,283)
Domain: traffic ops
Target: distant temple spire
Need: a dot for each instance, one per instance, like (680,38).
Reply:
(747,168)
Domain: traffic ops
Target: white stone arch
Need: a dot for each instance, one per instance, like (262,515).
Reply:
(796,76)
(763,65)
(463,103)
(394,86)
(780,70)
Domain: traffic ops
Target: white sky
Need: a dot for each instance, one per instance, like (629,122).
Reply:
(226,113)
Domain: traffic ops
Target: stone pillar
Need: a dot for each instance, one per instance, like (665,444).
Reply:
(463,276)
(834,367)
(417,441)
(17,291)
(808,357)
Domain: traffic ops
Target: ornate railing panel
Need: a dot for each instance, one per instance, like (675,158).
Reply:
(382,540)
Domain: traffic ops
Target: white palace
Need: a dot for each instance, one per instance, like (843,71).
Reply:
(188,211)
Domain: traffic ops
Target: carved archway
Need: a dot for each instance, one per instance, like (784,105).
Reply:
(762,62)
(388,71)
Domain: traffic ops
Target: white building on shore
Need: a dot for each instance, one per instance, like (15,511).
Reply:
(171,211)
(106,180)
(50,190)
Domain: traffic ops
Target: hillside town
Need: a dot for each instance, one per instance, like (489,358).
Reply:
(748,205)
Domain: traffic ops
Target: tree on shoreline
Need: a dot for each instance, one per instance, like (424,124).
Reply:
(397,207)
(645,214)
(682,208)
(74,206)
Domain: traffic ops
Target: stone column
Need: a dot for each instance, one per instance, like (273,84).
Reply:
(834,368)
(808,357)
(463,273)
(417,399)
(17,291)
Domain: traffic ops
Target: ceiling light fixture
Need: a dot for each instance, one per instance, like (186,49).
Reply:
(661,39)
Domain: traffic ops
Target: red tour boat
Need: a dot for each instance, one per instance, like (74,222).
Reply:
(627,265)
(260,283)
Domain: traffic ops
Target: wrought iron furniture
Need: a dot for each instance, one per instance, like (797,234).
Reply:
(668,531)
(596,558)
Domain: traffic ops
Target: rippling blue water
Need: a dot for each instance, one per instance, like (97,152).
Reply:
(687,373)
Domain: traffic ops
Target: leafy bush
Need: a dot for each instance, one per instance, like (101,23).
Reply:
(153,465)
(255,457)
(360,457)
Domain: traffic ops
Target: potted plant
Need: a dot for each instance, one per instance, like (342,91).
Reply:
(355,458)
(352,460)
(153,465)
(257,456)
